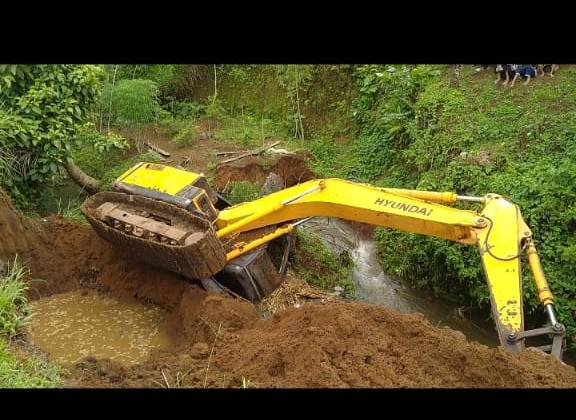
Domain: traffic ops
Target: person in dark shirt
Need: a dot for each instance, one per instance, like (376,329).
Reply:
(525,70)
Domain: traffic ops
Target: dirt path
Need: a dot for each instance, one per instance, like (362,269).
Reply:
(221,342)
(197,156)
(201,157)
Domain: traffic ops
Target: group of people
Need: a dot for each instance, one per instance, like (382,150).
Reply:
(509,73)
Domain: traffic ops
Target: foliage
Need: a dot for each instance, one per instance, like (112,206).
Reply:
(41,109)
(187,109)
(98,153)
(292,77)
(130,102)
(215,108)
(33,372)
(384,110)
(330,159)
(174,81)
(239,74)
(161,74)
(475,139)
(241,191)
(187,133)
(248,131)
(318,265)
(13,301)
(100,143)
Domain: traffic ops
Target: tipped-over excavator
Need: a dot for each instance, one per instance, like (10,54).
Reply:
(171,218)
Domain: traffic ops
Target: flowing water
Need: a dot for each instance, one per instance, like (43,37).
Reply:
(374,286)
(74,325)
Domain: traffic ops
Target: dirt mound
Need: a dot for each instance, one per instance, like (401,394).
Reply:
(63,255)
(18,235)
(222,342)
(291,168)
(325,345)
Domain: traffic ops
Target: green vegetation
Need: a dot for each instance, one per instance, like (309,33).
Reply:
(241,191)
(41,109)
(31,371)
(247,130)
(319,266)
(418,130)
(13,309)
(130,102)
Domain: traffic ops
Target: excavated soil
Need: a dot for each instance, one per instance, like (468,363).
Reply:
(223,342)
(292,168)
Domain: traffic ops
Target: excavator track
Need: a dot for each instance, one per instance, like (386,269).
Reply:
(157,232)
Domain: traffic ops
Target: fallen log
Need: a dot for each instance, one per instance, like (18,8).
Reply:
(230,153)
(157,149)
(252,152)
(91,185)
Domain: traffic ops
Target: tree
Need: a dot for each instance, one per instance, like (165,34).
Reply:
(41,109)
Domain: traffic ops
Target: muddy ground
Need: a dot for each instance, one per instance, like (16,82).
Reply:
(223,342)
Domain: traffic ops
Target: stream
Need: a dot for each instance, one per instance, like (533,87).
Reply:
(375,287)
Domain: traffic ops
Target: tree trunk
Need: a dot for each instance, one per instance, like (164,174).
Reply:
(91,185)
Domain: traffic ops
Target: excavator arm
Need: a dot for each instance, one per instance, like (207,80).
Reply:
(498,231)
(166,217)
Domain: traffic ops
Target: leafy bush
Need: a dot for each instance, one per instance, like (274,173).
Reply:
(215,108)
(130,102)
(42,107)
(89,137)
(187,134)
(188,109)
(242,191)
(175,81)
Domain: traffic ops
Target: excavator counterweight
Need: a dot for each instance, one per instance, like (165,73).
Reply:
(170,218)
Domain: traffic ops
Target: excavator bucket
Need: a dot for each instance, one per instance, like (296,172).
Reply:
(156,232)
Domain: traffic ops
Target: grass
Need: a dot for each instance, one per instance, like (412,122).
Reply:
(246,383)
(13,301)
(247,130)
(71,210)
(32,371)
(241,191)
(319,266)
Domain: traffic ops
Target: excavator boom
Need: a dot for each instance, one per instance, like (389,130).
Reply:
(498,230)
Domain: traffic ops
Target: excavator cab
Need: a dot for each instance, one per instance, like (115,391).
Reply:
(185,189)
(252,275)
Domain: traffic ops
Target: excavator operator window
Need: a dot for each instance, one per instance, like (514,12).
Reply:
(204,205)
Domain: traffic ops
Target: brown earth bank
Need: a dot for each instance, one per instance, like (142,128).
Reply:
(292,168)
(223,342)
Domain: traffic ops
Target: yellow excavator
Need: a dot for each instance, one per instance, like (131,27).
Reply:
(171,218)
